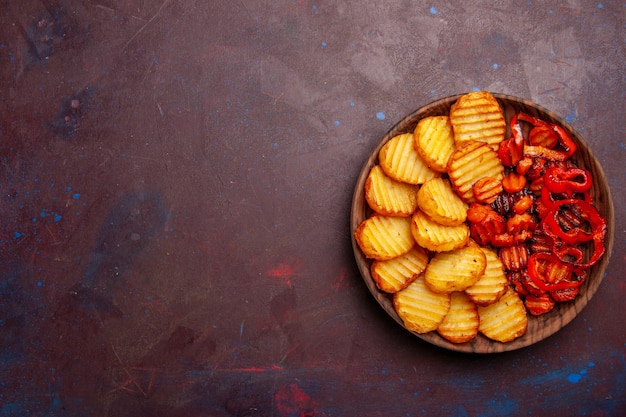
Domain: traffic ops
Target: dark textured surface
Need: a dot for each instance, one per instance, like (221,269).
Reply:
(176,179)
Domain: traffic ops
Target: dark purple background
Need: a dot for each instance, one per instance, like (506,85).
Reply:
(176,179)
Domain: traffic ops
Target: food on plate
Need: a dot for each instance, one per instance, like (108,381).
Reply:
(437,237)
(469,232)
(514,257)
(437,199)
(420,309)
(470,162)
(504,320)
(486,189)
(491,284)
(455,270)
(400,161)
(460,325)
(395,274)
(387,196)
(385,237)
(434,141)
(477,116)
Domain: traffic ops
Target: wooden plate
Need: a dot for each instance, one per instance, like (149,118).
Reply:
(539,327)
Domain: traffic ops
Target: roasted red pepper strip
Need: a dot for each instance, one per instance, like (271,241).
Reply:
(565,141)
(532,120)
(567,180)
(511,151)
(576,235)
(575,256)
(548,273)
(548,200)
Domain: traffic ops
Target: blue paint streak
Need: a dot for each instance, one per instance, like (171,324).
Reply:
(380,115)
(12,409)
(433,10)
(574,378)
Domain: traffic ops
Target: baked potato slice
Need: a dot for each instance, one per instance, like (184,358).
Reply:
(387,196)
(400,161)
(505,320)
(395,274)
(384,237)
(420,309)
(436,237)
(455,270)
(491,284)
(437,199)
(434,141)
(460,325)
(477,116)
(470,162)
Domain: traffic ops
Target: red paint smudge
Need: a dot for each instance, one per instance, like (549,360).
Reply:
(291,400)
(283,272)
(340,282)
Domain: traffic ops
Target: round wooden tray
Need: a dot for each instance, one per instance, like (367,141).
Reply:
(539,327)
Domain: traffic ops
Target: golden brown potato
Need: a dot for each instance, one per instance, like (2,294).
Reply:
(504,320)
(395,274)
(420,309)
(470,162)
(436,237)
(434,141)
(477,116)
(437,199)
(387,196)
(400,161)
(491,284)
(455,270)
(384,237)
(461,323)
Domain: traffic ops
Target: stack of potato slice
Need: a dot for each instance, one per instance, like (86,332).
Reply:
(418,238)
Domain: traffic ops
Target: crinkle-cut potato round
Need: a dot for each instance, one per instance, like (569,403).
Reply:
(470,162)
(436,237)
(477,116)
(387,196)
(461,323)
(400,161)
(434,141)
(491,284)
(455,270)
(437,199)
(384,237)
(504,320)
(395,274)
(420,309)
